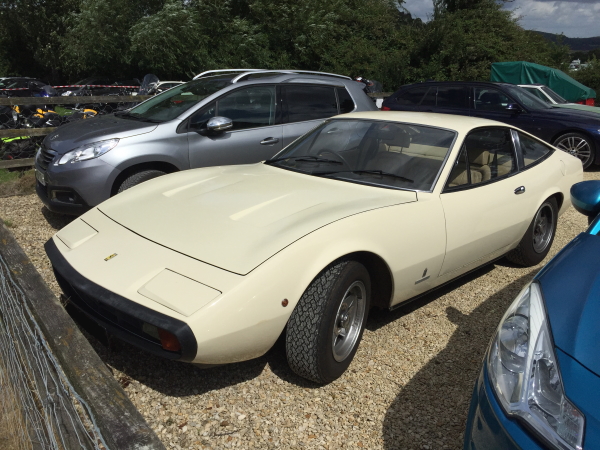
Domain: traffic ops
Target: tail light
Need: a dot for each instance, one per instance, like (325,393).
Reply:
(169,341)
(385,108)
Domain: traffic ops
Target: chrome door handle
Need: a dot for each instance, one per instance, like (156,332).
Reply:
(269,141)
(520,190)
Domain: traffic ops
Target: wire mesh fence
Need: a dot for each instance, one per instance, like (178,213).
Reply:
(25,121)
(39,409)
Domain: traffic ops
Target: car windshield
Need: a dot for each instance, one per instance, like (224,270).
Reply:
(172,103)
(388,154)
(12,84)
(554,96)
(527,99)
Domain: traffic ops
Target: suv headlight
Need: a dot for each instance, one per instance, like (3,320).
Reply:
(525,375)
(87,151)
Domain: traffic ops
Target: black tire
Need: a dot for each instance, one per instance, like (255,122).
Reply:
(579,145)
(309,339)
(139,177)
(538,238)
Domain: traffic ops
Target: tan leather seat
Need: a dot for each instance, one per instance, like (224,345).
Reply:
(479,161)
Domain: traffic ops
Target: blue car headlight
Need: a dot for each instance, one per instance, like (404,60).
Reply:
(525,375)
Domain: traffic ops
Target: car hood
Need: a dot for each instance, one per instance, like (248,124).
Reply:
(70,136)
(569,114)
(576,106)
(236,217)
(571,287)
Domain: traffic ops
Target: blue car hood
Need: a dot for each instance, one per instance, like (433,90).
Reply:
(571,287)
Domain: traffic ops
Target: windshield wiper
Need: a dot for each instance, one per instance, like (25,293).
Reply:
(305,158)
(369,172)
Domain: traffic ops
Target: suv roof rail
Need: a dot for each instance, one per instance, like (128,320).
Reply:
(308,72)
(224,71)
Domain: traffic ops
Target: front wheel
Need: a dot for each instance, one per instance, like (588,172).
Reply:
(139,177)
(538,238)
(578,145)
(326,326)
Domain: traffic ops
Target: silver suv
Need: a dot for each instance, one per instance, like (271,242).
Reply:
(219,118)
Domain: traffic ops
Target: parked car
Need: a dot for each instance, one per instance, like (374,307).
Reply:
(212,265)
(22,86)
(225,118)
(539,386)
(98,86)
(164,85)
(575,132)
(550,97)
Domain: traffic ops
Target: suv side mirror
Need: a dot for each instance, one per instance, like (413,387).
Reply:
(219,124)
(585,197)
(513,107)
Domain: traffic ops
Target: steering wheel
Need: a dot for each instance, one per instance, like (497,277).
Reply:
(325,152)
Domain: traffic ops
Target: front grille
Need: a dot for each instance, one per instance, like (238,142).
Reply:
(102,311)
(45,157)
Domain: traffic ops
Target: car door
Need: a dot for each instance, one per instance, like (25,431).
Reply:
(256,134)
(306,106)
(491,103)
(484,207)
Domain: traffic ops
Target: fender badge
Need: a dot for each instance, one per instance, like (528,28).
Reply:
(110,257)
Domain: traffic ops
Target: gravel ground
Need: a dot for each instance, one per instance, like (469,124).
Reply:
(408,387)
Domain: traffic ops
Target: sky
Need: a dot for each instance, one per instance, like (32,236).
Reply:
(573,18)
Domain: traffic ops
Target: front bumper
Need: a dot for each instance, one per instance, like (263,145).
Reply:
(488,428)
(73,188)
(119,316)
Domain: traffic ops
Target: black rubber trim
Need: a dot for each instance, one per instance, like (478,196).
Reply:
(60,207)
(84,288)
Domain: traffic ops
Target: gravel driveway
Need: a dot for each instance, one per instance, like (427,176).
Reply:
(408,387)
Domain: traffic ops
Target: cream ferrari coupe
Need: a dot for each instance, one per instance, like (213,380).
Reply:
(213,265)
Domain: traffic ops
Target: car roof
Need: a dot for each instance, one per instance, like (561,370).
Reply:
(462,124)
(454,83)
(278,77)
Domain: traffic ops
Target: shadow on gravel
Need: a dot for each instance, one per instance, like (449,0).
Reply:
(177,379)
(381,317)
(431,410)
(56,221)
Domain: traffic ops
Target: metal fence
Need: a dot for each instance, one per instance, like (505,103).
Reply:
(55,392)
(24,121)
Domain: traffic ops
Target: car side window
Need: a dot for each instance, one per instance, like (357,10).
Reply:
(346,103)
(412,97)
(453,97)
(250,107)
(487,99)
(199,119)
(532,149)
(486,154)
(310,102)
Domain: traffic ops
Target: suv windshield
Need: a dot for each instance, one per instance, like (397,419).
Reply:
(172,103)
(387,154)
(526,98)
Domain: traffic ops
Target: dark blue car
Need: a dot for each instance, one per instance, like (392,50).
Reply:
(539,386)
(574,131)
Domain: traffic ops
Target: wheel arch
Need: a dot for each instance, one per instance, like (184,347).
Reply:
(151,165)
(382,281)
(574,130)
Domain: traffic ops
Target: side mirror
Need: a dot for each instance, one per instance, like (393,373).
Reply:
(585,197)
(513,107)
(219,124)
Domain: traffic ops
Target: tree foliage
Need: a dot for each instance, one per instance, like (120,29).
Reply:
(378,39)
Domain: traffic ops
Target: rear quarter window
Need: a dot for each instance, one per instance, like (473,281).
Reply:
(412,97)
(532,149)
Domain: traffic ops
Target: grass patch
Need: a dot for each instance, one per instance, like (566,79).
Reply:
(16,182)
(9,224)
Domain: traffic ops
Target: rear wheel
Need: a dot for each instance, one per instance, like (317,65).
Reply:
(579,145)
(538,238)
(139,177)
(326,326)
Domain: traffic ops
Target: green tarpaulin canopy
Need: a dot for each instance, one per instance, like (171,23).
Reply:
(521,72)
